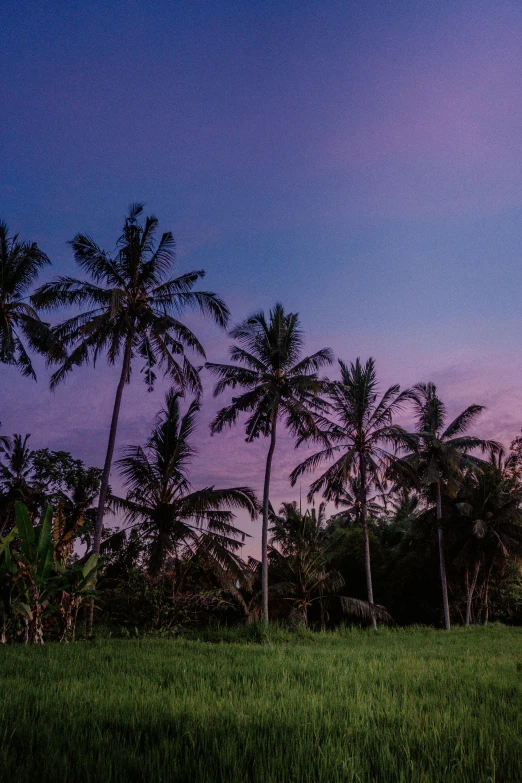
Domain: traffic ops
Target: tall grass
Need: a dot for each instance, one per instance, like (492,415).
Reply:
(420,706)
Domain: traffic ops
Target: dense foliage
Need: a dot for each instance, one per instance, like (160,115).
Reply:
(426,525)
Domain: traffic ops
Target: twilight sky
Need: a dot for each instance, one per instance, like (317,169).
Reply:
(360,161)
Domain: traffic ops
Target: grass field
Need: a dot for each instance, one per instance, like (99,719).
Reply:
(409,705)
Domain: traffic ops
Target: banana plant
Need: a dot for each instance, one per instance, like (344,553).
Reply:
(8,569)
(36,580)
(36,577)
(78,586)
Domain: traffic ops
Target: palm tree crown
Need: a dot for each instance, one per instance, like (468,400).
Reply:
(20,263)
(171,516)
(442,452)
(362,427)
(131,302)
(279,384)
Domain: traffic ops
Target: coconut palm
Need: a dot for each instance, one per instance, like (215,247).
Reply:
(349,500)
(404,505)
(175,520)
(441,459)
(301,561)
(279,384)
(5,440)
(133,309)
(489,521)
(16,469)
(299,550)
(20,263)
(362,428)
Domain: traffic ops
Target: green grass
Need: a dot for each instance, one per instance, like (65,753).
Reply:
(410,705)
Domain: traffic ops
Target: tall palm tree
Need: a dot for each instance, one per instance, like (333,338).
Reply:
(279,385)
(175,520)
(441,459)
(133,309)
(362,428)
(20,263)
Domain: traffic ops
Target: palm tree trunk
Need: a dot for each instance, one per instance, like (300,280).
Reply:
(2,526)
(104,485)
(264,532)
(367,561)
(321,606)
(443,579)
(471,591)
(486,596)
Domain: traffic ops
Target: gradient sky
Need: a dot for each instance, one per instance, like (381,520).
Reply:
(361,161)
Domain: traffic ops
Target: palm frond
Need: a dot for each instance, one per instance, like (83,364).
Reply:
(461,423)
(358,608)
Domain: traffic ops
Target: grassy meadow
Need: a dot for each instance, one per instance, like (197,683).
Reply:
(413,705)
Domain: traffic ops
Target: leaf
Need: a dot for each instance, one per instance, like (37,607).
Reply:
(23,609)
(480,528)
(44,553)
(90,566)
(88,572)
(26,530)
(359,608)
(4,543)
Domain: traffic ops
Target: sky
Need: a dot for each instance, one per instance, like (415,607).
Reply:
(359,161)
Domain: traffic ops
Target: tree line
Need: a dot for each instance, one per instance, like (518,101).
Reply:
(437,488)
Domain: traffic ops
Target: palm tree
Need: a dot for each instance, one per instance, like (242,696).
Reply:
(16,468)
(349,499)
(20,263)
(490,522)
(132,310)
(278,384)
(299,550)
(441,459)
(404,504)
(5,440)
(301,560)
(176,521)
(363,427)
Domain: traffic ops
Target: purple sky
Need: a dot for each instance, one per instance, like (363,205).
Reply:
(359,161)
